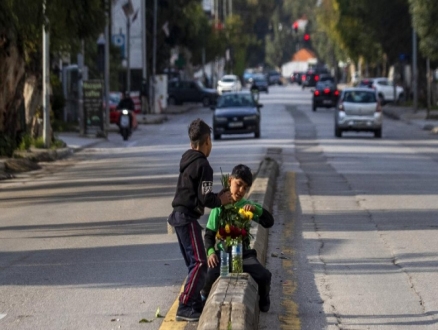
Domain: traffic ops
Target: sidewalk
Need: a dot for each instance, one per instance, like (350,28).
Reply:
(28,160)
(408,115)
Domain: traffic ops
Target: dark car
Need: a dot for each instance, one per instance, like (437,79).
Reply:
(274,78)
(236,113)
(180,91)
(325,95)
(296,77)
(259,83)
(368,83)
(311,77)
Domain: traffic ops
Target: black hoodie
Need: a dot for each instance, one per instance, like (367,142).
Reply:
(194,188)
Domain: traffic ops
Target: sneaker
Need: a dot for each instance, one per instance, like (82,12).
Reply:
(187,313)
(264,304)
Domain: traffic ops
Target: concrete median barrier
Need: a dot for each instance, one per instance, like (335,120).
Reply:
(233,300)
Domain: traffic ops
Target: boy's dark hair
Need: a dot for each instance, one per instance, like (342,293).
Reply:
(199,131)
(242,172)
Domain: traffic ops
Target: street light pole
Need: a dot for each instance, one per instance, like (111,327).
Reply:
(128,54)
(107,69)
(46,80)
(144,53)
(154,57)
(414,69)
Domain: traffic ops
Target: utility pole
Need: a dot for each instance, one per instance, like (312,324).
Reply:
(107,67)
(144,54)
(414,69)
(80,58)
(154,58)
(128,54)
(429,87)
(46,80)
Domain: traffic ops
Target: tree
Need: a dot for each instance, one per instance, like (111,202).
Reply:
(425,21)
(20,52)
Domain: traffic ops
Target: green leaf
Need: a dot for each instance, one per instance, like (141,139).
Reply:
(144,321)
(157,313)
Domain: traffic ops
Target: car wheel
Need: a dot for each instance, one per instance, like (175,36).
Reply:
(314,107)
(378,133)
(216,136)
(257,134)
(338,132)
(267,91)
(206,101)
(172,100)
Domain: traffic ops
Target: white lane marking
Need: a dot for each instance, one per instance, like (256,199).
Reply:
(2,316)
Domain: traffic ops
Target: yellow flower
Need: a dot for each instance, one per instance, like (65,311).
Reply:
(227,228)
(246,214)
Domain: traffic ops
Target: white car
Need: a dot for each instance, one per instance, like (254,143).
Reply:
(384,89)
(229,83)
(358,110)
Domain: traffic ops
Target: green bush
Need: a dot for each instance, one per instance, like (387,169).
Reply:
(26,142)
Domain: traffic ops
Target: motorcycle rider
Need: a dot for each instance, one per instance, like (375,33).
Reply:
(127,103)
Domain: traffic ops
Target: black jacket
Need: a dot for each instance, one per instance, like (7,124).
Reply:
(126,103)
(194,188)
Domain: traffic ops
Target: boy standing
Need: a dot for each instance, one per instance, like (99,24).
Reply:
(193,193)
(240,181)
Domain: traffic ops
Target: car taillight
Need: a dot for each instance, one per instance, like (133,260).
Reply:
(303,77)
(336,93)
(316,93)
(378,107)
(316,77)
(326,90)
(341,107)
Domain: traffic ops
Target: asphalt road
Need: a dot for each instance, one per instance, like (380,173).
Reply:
(84,243)
(356,226)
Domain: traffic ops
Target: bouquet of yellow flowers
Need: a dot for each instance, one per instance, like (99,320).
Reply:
(234,223)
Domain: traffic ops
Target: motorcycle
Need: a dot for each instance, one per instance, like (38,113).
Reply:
(125,124)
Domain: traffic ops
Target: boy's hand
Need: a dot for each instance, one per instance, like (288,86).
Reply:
(212,260)
(249,207)
(225,197)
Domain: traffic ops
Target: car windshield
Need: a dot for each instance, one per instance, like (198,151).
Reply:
(359,97)
(325,84)
(235,100)
(228,79)
(259,78)
(114,99)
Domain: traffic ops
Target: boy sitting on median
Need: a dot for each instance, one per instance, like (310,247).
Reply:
(240,181)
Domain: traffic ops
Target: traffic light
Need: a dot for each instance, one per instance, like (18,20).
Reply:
(306,37)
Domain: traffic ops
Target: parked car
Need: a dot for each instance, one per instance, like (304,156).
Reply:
(274,78)
(229,83)
(358,110)
(325,94)
(114,100)
(236,113)
(384,89)
(259,83)
(181,91)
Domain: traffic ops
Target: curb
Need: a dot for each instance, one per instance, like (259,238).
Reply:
(233,300)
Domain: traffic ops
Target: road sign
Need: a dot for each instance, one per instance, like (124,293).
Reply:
(119,41)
